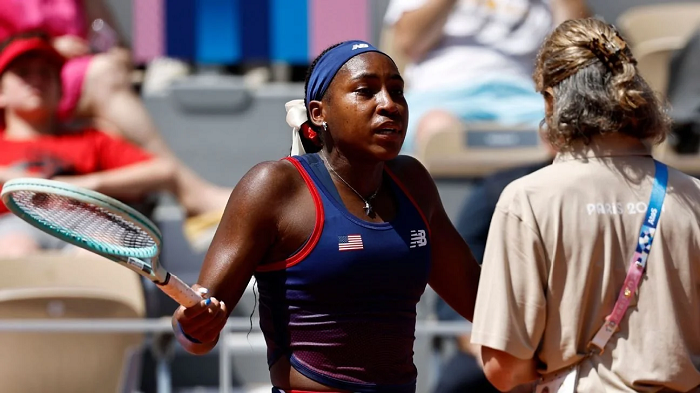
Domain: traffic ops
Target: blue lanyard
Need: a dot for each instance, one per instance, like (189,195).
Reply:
(636,270)
(656,202)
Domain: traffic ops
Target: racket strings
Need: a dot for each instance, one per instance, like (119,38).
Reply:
(83,221)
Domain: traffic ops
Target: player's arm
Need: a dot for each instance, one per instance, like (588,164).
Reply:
(454,272)
(247,232)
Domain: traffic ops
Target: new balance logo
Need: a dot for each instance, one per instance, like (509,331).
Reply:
(359,46)
(418,238)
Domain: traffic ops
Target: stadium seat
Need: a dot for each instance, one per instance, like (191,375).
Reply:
(655,32)
(650,22)
(688,163)
(475,150)
(221,128)
(654,58)
(60,286)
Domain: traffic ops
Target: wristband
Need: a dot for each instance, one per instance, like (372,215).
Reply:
(192,339)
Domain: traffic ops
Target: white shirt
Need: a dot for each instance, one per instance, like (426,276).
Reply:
(483,39)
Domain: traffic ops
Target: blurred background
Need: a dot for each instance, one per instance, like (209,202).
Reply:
(213,77)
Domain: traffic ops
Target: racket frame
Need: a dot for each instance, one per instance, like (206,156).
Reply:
(143,262)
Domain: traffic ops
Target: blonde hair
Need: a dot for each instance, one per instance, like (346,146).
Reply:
(597,88)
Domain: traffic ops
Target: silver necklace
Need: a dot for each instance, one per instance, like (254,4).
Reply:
(368,206)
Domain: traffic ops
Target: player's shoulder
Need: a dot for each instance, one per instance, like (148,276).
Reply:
(271,179)
(268,191)
(409,168)
(415,180)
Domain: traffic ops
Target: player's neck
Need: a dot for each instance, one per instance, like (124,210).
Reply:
(26,127)
(364,177)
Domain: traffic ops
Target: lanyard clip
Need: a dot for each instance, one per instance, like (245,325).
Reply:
(594,349)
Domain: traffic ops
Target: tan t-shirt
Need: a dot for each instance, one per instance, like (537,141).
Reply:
(558,249)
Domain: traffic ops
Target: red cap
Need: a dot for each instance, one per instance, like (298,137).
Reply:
(23,46)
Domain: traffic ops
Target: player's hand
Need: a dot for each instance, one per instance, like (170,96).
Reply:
(71,46)
(204,321)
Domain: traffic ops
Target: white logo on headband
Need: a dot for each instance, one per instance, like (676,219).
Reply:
(359,46)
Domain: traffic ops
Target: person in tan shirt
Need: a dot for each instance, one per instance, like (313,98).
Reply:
(561,239)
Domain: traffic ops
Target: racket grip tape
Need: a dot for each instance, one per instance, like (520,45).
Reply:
(179,291)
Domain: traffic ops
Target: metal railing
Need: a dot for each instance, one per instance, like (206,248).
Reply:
(163,325)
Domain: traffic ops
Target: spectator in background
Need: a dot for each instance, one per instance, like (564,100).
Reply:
(98,85)
(33,143)
(565,246)
(471,60)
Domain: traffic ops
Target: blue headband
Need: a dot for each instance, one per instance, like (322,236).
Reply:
(329,64)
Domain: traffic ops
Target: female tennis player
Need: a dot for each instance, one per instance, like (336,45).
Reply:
(342,242)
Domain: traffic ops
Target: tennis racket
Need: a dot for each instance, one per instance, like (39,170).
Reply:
(97,223)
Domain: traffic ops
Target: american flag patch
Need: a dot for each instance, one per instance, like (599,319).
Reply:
(350,242)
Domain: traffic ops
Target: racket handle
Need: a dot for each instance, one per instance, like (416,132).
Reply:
(180,292)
